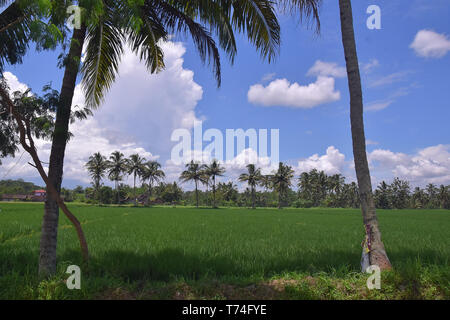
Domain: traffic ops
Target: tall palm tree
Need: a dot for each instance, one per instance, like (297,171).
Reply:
(152,173)
(266,182)
(194,172)
(135,167)
(97,166)
(443,196)
(205,179)
(252,178)
(377,254)
(281,181)
(105,26)
(117,165)
(214,170)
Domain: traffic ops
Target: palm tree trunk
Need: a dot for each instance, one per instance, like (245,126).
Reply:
(377,255)
(214,192)
(149,192)
(47,256)
(279,199)
(253,197)
(134,190)
(196,192)
(117,192)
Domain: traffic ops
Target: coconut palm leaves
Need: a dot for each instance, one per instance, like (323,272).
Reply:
(103,53)
(144,24)
(252,178)
(308,9)
(152,173)
(135,167)
(281,181)
(97,166)
(213,170)
(194,172)
(117,165)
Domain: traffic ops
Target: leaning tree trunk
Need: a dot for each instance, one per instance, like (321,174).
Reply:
(47,258)
(377,254)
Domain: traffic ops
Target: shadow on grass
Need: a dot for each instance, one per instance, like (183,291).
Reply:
(175,263)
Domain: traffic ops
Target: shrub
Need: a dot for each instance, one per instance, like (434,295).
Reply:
(302,203)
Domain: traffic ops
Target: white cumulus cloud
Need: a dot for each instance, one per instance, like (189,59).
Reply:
(430,44)
(331,163)
(428,165)
(321,68)
(139,114)
(281,92)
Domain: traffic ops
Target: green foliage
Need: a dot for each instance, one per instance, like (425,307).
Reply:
(97,166)
(17,187)
(302,203)
(106,195)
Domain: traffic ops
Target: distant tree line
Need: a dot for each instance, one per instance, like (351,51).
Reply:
(314,188)
(17,187)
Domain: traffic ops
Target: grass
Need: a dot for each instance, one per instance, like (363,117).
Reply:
(184,253)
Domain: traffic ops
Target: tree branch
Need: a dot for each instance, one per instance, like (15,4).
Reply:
(25,132)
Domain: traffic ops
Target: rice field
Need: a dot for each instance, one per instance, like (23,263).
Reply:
(233,253)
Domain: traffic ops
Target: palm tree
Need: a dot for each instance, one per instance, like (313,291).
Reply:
(97,166)
(444,196)
(377,254)
(252,178)
(432,192)
(135,167)
(212,171)
(117,165)
(281,181)
(228,190)
(105,26)
(152,173)
(266,182)
(194,172)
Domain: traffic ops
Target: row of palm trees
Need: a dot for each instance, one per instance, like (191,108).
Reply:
(149,172)
(279,180)
(117,166)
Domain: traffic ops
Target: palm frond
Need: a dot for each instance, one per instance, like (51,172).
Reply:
(145,31)
(217,16)
(104,50)
(258,20)
(176,20)
(308,9)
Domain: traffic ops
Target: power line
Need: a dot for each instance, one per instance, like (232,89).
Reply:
(9,171)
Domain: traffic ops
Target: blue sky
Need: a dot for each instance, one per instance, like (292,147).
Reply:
(406,95)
